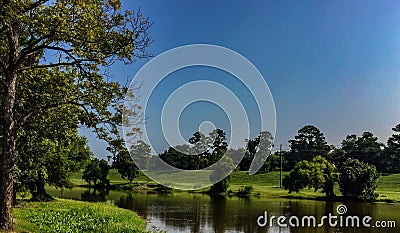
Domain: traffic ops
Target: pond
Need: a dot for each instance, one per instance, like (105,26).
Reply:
(187,212)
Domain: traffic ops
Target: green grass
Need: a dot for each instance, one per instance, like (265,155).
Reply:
(389,188)
(75,216)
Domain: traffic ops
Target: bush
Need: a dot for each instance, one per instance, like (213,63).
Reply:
(246,190)
(358,180)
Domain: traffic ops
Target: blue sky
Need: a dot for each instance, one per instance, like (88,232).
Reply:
(334,64)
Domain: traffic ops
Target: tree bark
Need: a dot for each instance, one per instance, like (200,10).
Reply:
(7,156)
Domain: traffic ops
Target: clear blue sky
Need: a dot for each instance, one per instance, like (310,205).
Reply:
(334,64)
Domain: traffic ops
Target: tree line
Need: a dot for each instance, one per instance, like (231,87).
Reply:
(306,145)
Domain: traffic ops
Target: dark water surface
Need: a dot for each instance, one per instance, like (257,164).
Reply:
(185,212)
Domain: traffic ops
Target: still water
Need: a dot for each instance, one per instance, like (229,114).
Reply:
(185,212)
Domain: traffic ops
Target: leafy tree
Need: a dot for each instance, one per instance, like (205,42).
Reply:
(43,161)
(317,174)
(358,180)
(126,165)
(365,148)
(203,152)
(221,170)
(49,148)
(177,158)
(391,160)
(261,144)
(308,143)
(199,150)
(97,171)
(337,156)
(79,38)
(273,162)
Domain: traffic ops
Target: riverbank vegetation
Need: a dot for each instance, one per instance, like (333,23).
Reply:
(75,216)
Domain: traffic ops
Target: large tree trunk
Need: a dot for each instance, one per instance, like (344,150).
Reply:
(7,157)
(39,194)
(8,153)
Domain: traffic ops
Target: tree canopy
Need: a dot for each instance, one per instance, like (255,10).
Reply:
(308,143)
(317,174)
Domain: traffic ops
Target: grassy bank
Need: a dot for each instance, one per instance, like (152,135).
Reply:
(266,185)
(75,216)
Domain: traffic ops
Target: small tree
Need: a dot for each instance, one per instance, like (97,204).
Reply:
(126,167)
(223,168)
(317,174)
(97,171)
(358,180)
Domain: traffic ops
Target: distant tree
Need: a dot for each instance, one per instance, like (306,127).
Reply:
(140,152)
(217,146)
(337,156)
(176,157)
(127,166)
(391,160)
(317,174)
(358,180)
(261,144)
(365,148)
(97,171)
(308,143)
(223,169)
(273,162)
(236,155)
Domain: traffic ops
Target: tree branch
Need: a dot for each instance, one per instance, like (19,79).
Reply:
(34,5)
(53,65)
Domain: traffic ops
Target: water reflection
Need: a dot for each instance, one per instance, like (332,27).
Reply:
(183,212)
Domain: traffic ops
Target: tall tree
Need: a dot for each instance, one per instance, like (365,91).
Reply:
(365,148)
(126,165)
(308,143)
(78,38)
(261,144)
(391,160)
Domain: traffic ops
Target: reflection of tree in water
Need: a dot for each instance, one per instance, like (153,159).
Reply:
(220,216)
(196,217)
(137,203)
(95,195)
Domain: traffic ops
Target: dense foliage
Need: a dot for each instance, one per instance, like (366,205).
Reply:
(317,173)
(97,171)
(358,180)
